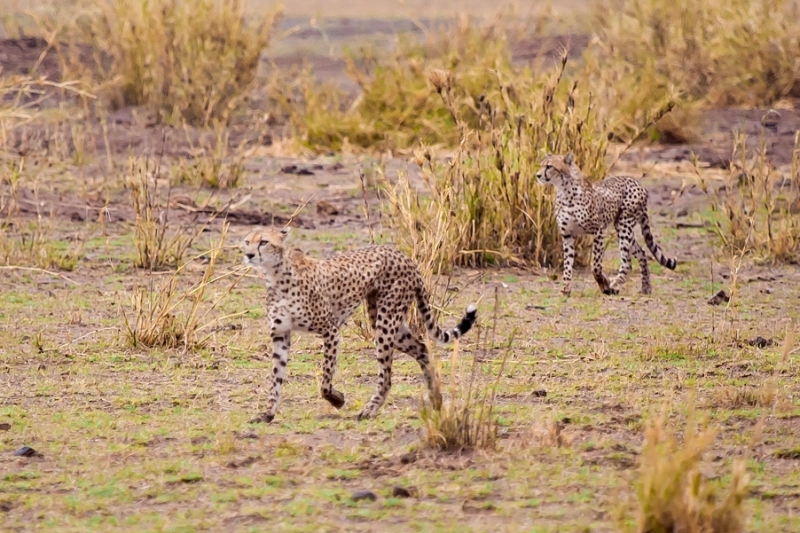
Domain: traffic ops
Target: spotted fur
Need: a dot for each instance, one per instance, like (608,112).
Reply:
(318,296)
(586,209)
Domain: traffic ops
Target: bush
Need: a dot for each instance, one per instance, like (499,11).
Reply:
(484,205)
(672,493)
(396,108)
(757,210)
(191,60)
(696,48)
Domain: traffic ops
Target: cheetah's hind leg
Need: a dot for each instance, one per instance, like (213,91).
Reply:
(597,265)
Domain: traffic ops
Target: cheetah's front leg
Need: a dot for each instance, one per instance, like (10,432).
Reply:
(569,259)
(281,333)
(331,339)
(597,264)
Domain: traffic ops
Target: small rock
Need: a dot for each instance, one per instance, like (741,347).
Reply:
(531,307)
(5,507)
(788,454)
(719,298)
(298,171)
(336,166)
(760,342)
(26,451)
(5,426)
(364,495)
(408,458)
(326,208)
(539,393)
(682,213)
(402,492)
(247,461)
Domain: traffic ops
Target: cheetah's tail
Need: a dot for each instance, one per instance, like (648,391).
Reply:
(444,336)
(655,249)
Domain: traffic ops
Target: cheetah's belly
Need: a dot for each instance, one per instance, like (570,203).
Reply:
(569,224)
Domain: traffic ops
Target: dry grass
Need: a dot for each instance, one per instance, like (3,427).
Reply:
(396,108)
(467,419)
(484,204)
(160,243)
(192,60)
(759,205)
(169,316)
(673,493)
(34,246)
(210,164)
(696,48)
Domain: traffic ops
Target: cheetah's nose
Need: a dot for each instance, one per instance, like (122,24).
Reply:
(249,255)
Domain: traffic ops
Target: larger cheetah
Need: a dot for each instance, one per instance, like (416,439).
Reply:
(318,296)
(586,209)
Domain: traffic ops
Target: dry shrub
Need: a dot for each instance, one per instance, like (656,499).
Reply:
(741,397)
(466,419)
(159,242)
(694,49)
(210,164)
(34,246)
(484,206)
(758,208)
(21,100)
(396,108)
(192,60)
(673,494)
(170,315)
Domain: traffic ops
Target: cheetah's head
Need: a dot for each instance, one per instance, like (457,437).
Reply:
(554,168)
(263,248)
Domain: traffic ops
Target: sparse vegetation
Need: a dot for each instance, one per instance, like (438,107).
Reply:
(160,243)
(673,493)
(166,315)
(758,207)
(134,375)
(467,419)
(211,165)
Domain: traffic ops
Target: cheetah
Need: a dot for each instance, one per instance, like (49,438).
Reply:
(318,296)
(586,209)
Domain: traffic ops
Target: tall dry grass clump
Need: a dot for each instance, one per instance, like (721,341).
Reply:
(758,207)
(396,108)
(160,242)
(188,60)
(483,206)
(673,494)
(172,315)
(715,52)
(467,419)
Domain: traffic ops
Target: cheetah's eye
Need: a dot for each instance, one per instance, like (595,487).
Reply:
(262,243)
(247,243)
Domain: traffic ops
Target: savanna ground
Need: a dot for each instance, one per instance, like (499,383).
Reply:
(126,437)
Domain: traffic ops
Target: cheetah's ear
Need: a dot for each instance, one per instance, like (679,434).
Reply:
(569,158)
(285,231)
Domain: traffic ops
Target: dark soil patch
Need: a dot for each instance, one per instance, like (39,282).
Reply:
(20,56)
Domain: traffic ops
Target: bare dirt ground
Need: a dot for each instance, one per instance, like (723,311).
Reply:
(134,439)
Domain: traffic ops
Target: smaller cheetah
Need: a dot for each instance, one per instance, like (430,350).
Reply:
(318,296)
(586,209)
